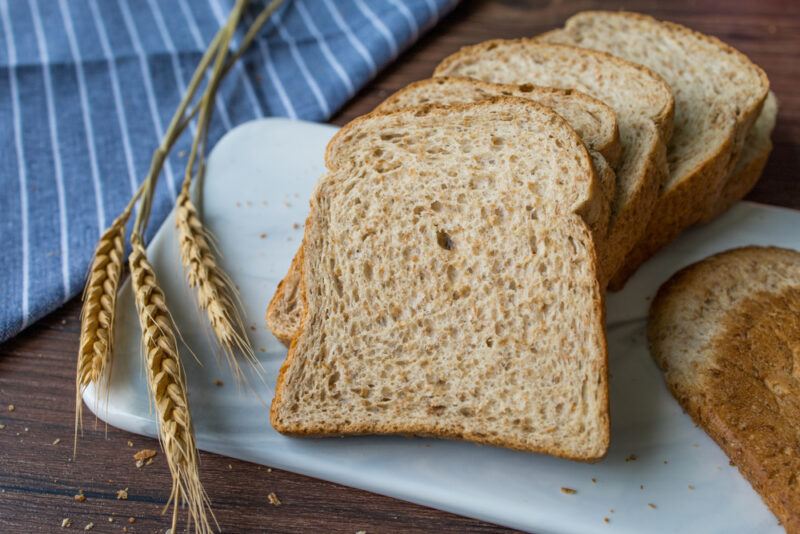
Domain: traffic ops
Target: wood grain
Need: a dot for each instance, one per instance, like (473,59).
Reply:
(37,478)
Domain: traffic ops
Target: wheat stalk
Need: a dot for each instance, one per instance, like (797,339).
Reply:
(167,386)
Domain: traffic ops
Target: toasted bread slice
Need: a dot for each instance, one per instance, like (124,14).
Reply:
(450,284)
(641,100)
(718,93)
(726,333)
(594,121)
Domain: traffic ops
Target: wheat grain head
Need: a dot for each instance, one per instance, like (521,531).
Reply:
(216,293)
(165,378)
(97,314)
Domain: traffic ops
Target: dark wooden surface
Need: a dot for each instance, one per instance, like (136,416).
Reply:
(37,478)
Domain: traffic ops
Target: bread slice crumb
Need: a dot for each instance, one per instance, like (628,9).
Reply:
(568,491)
(122,495)
(66,522)
(273,499)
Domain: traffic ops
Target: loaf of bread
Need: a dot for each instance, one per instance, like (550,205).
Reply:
(718,93)
(449,283)
(726,333)
(594,121)
(640,98)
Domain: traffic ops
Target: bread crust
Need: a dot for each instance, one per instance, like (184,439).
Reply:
(730,289)
(434,430)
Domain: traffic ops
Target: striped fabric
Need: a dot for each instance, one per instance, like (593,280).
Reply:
(87,88)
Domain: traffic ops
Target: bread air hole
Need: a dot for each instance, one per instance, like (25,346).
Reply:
(444,240)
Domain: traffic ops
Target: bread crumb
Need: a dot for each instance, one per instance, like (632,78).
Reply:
(263,235)
(273,499)
(269,470)
(361,532)
(262,349)
(26,429)
(568,491)
(80,497)
(691,487)
(56,441)
(110,519)
(11,407)
(641,486)
(2,426)
(122,495)
(130,443)
(149,461)
(651,505)
(611,510)
(666,461)
(219,383)
(606,520)
(131,520)
(253,328)
(144,454)
(89,526)
(139,463)
(66,522)
(296,226)
(631,458)
(594,480)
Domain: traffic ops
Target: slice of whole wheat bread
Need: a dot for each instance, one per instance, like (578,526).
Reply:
(756,151)
(726,333)
(594,121)
(450,284)
(718,92)
(640,98)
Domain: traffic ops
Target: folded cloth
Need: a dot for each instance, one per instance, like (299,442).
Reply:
(87,88)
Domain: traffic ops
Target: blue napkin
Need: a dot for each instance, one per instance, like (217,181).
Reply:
(87,88)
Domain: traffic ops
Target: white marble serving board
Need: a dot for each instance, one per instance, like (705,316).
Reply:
(255,198)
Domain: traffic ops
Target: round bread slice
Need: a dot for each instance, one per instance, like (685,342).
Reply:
(726,333)
(640,98)
(450,287)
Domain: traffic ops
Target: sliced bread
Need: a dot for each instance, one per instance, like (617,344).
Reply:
(640,98)
(726,333)
(450,284)
(594,121)
(756,151)
(718,93)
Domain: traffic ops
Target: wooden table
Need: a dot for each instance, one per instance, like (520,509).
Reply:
(37,478)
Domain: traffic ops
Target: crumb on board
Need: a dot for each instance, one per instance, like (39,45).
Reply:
(89,526)
(273,499)
(641,486)
(219,383)
(297,226)
(568,491)
(130,443)
(122,495)
(230,467)
(652,505)
(110,519)
(666,461)
(80,497)
(361,532)
(691,487)
(631,458)
(131,520)
(253,327)
(11,407)
(610,510)
(594,480)
(262,349)
(2,426)
(269,470)
(26,429)
(144,454)
(606,520)
(56,441)
(66,522)
(263,235)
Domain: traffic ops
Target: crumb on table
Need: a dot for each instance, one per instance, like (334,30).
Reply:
(273,499)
